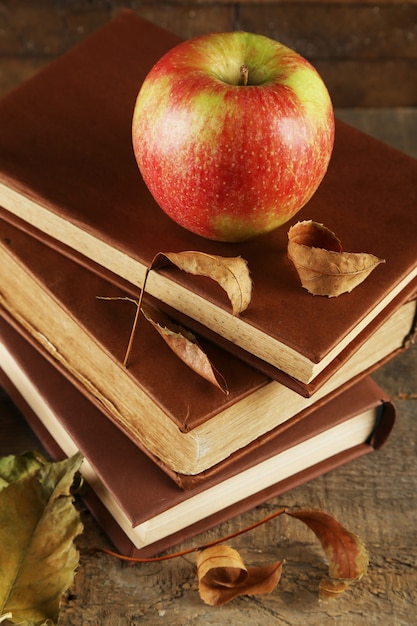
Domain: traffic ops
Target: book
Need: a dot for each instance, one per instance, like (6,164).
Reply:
(183,422)
(142,510)
(68,173)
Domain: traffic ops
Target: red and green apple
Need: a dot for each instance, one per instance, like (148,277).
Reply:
(233,133)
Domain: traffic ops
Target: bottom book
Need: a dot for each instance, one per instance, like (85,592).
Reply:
(142,510)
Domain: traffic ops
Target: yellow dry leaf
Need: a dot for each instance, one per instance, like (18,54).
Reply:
(38,525)
(324,269)
(231,273)
(185,345)
(222,576)
(331,588)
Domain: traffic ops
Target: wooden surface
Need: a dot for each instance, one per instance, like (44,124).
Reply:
(366,50)
(375,496)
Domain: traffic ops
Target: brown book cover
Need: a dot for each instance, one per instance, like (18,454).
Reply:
(142,510)
(54,302)
(68,170)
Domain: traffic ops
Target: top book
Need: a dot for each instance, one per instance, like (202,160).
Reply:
(68,173)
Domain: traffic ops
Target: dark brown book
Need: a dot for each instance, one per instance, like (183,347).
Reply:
(184,422)
(68,172)
(141,509)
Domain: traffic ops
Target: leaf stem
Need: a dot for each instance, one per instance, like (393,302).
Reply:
(135,323)
(166,557)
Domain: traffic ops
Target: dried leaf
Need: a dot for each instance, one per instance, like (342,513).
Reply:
(185,345)
(222,576)
(324,269)
(231,273)
(346,553)
(15,467)
(38,524)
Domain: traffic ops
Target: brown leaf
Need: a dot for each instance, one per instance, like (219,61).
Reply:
(222,576)
(231,273)
(185,345)
(324,269)
(346,553)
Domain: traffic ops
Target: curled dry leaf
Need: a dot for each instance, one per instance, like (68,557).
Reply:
(185,345)
(346,553)
(222,576)
(231,273)
(324,269)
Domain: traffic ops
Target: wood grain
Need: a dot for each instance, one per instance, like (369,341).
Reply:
(366,50)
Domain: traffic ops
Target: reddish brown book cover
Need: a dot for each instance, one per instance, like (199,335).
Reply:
(128,492)
(68,171)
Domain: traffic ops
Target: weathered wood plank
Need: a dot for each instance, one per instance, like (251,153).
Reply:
(337,32)
(363,83)
(340,30)
(187,19)
(366,52)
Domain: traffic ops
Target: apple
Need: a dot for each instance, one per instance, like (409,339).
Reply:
(232,133)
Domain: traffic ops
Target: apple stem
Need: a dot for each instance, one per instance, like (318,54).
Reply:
(244,71)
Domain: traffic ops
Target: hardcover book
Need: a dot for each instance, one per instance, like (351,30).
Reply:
(68,174)
(186,424)
(141,509)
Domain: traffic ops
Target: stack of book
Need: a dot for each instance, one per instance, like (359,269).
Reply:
(168,454)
